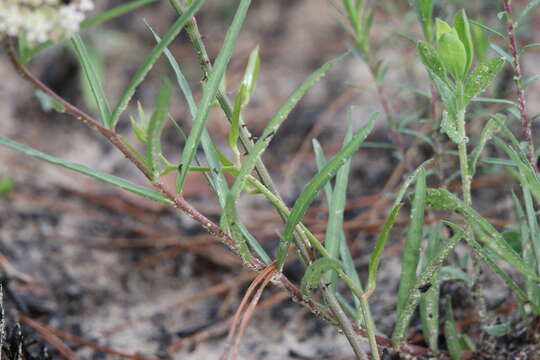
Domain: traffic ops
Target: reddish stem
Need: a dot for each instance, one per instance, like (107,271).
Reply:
(518,78)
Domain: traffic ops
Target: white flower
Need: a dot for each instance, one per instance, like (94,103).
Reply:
(42,20)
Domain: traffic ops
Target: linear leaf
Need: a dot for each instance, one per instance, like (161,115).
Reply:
(217,180)
(528,8)
(151,59)
(423,281)
(491,128)
(263,141)
(82,169)
(375,257)
(413,240)
(317,183)
(450,333)
(429,299)
(93,79)
(441,199)
(209,93)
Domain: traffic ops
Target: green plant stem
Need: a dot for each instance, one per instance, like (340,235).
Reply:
(463,160)
(466,189)
(344,322)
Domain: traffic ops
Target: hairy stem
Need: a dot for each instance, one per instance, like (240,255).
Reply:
(466,188)
(526,123)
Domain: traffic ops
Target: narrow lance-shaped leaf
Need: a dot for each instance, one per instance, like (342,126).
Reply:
(487,257)
(429,299)
(317,183)
(491,128)
(151,60)
(375,257)
(450,333)
(481,77)
(523,15)
(441,199)
(82,169)
(210,90)
(334,231)
(93,79)
(213,155)
(533,291)
(413,240)
(155,128)
(423,281)
(263,141)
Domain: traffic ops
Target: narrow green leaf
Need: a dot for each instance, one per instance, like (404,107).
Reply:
(413,241)
(93,80)
(527,174)
(337,204)
(155,128)
(528,239)
(481,77)
(488,29)
(375,257)
(210,90)
(506,56)
(82,169)
(441,199)
(429,299)
(315,272)
(266,137)
(150,60)
(492,127)
(516,290)
(523,15)
(213,155)
(317,183)
(424,281)
(451,334)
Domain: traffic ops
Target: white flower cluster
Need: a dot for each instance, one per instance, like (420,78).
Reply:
(42,20)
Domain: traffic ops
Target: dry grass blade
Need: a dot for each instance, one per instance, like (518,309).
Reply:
(262,277)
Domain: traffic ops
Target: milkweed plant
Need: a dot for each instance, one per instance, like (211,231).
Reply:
(462,59)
